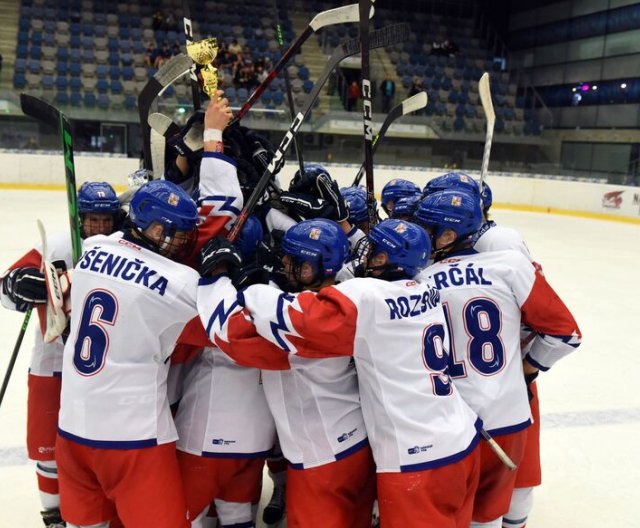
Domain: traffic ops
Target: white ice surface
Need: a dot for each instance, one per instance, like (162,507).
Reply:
(590,401)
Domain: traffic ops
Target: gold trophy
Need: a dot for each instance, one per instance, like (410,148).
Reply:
(203,53)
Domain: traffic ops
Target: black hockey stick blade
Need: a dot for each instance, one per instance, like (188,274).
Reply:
(163,125)
(45,113)
(412,104)
(339,15)
(382,37)
(188,34)
(173,69)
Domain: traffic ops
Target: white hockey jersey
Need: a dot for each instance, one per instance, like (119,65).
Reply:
(486,297)
(494,237)
(223,411)
(315,404)
(129,307)
(414,417)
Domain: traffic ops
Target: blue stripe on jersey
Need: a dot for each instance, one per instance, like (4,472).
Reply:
(219,155)
(259,454)
(510,429)
(109,444)
(536,364)
(339,456)
(432,464)
(208,281)
(57,373)
(227,202)
(248,524)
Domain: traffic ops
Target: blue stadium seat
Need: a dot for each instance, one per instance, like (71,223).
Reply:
(278,98)
(76,84)
(242,95)
(61,98)
(103,101)
(61,83)
(458,124)
(75,56)
(75,98)
(33,66)
(130,102)
(19,81)
(22,51)
(47,82)
(75,69)
(35,52)
(114,72)
(102,86)
(20,65)
(230,94)
(102,71)
(127,73)
(266,97)
(307,86)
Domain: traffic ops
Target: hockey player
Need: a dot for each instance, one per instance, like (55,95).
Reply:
(396,189)
(22,285)
(405,208)
(487,297)
(423,434)
(315,404)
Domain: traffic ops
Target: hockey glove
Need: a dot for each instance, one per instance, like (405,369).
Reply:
(330,191)
(25,286)
(219,253)
(308,206)
(529,379)
(249,275)
(188,142)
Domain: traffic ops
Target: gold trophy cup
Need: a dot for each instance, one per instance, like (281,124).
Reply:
(202,53)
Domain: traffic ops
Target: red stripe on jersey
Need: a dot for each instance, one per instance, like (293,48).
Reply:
(545,312)
(326,324)
(249,349)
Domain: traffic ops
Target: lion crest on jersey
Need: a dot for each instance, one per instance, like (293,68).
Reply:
(173,199)
(314,233)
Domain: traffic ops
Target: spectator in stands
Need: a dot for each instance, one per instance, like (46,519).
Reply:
(450,48)
(170,21)
(261,74)
(353,94)
(150,55)
(388,91)
(163,55)
(235,48)
(416,86)
(158,20)
(175,49)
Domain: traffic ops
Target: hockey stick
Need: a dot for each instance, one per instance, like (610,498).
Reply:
(23,329)
(47,114)
(339,15)
(287,83)
(188,34)
(487,106)
(504,458)
(161,128)
(163,125)
(412,104)
(364,6)
(382,37)
(173,69)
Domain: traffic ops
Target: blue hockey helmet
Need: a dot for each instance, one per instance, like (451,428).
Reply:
(320,242)
(396,189)
(356,198)
(250,236)
(453,209)
(405,207)
(487,197)
(164,203)
(452,180)
(407,247)
(97,197)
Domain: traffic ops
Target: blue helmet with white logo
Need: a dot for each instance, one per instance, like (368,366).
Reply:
(97,197)
(396,189)
(407,247)
(453,209)
(163,202)
(452,180)
(250,236)
(356,198)
(487,197)
(406,207)
(320,242)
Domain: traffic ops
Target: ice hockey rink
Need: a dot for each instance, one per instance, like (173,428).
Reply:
(590,401)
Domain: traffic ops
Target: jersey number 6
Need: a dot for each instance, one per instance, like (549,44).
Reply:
(90,349)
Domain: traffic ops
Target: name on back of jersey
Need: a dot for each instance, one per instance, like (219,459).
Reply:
(120,267)
(412,305)
(458,276)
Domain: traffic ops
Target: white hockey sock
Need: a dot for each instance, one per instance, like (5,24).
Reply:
(202,521)
(519,509)
(231,513)
(47,472)
(496,523)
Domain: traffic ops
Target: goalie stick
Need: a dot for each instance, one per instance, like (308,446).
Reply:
(339,15)
(45,113)
(412,104)
(188,35)
(490,115)
(382,37)
(364,6)
(173,69)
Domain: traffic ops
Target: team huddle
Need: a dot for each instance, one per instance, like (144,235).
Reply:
(374,367)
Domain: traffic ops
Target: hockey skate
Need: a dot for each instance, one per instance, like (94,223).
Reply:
(52,518)
(274,511)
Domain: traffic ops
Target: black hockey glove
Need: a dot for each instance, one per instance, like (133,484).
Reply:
(25,286)
(188,142)
(249,275)
(330,191)
(529,379)
(219,252)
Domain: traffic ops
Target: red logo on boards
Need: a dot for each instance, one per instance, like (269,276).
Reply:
(612,200)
